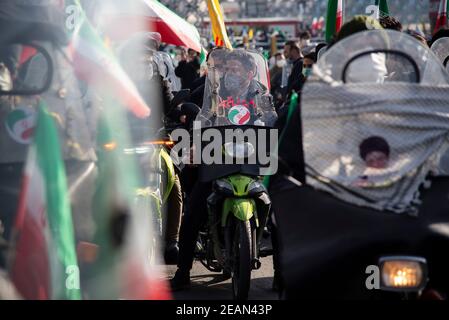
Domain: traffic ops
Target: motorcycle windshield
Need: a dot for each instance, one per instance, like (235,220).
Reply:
(375,120)
(237,90)
(441,50)
(372,56)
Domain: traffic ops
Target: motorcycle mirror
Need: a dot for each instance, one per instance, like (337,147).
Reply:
(25,69)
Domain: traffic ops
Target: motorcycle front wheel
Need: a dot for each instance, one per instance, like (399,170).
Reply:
(242,257)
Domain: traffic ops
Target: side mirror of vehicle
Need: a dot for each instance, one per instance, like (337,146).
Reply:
(25,69)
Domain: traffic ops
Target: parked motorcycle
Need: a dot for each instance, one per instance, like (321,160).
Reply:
(370,221)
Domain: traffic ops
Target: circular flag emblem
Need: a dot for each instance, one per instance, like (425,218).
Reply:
(20,124)
(239,115)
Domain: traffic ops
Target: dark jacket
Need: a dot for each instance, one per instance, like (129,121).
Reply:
(197,93)
(291,154)
(296,78)
(198,82)
(275,77)
(188,72)
(197,96)
(276,82)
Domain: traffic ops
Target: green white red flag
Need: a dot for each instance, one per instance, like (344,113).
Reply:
(124,268)
(334,18)
(442,16)
(95,63)
(43,264)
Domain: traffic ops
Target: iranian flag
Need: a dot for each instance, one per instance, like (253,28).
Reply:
(318,24)
(43,264)
(335,18)
(321,23)
(126,265)
(315,24)
(442,16)
(95,63)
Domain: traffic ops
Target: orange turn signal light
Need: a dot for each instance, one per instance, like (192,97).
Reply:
(110,146)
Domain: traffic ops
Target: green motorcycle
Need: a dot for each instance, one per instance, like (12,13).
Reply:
(238,209)
(239,203)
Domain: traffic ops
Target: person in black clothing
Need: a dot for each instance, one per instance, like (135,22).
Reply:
(197,91)
(296,79)
(188,69)
(290,152)
(276,79)
(291,163)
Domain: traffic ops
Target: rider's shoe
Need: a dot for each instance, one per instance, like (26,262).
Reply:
(171,253)
(227,273)
(181,280)
(276,282)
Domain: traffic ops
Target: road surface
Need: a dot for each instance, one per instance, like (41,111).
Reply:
(208,285)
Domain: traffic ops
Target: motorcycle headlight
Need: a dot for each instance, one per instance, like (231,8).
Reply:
(403,273)
(239,150)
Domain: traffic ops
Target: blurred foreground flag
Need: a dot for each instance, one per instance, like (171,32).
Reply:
(442,16)
(218,26)
(43,264)
(95,63)
(125,266)
(334,18)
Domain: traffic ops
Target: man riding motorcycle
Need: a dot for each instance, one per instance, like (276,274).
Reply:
(231,83)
